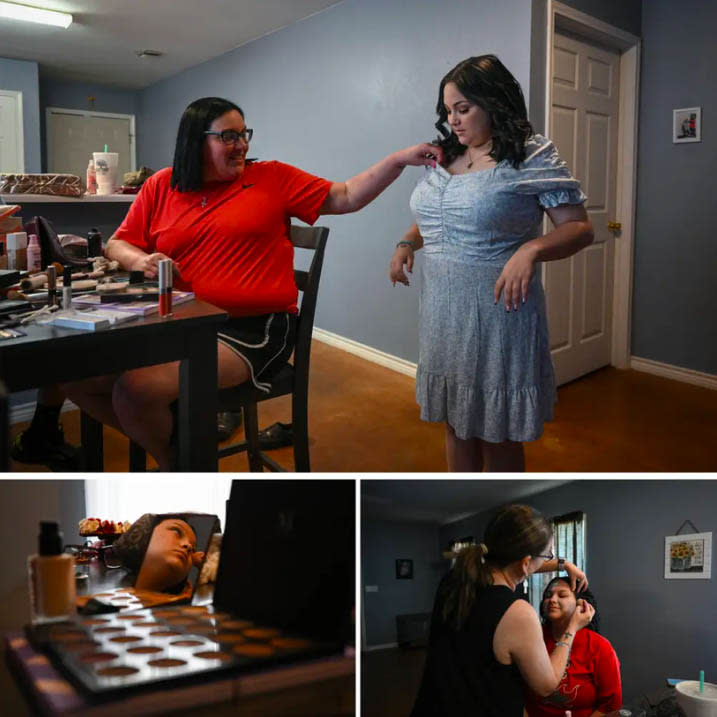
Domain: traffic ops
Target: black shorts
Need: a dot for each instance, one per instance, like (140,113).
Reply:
(264,342)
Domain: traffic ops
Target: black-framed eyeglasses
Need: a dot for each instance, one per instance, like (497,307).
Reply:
(549,556)
(231,136)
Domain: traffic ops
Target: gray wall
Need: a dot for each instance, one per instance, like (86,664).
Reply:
(625,14)
(23,504)
(659,628)
(675,251)
(383,542)
(334,94)
(23,76)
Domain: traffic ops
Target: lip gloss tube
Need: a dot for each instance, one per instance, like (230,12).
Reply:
(51,286)
(67,288)
(165,287)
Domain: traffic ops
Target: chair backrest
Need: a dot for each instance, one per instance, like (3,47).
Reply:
(308,283)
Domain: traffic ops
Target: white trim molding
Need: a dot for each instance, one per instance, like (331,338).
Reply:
(676,373)
(563,17)
(25,411)
(366,352)
(17,95)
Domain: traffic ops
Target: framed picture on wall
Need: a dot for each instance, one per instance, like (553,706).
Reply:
(687,125)
(688,557)
(404,569)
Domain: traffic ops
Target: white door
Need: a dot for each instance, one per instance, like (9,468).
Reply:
(12,156)
(73,136)
(584,127)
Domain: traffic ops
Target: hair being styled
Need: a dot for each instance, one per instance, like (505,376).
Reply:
(514,532)
(188,150)
(583,595)
(486,81)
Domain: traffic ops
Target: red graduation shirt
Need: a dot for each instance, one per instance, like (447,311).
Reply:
(591,681)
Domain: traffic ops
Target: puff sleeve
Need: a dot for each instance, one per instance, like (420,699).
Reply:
(544,174)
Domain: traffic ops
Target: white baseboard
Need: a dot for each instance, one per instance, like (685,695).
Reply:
(677,373)
(371,648)
(25,411)
(366,352)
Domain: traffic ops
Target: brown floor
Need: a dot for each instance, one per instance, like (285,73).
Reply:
(390,680)
(363,418)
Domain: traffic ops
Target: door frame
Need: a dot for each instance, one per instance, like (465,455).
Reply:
(561,17)
(49,111)
(17,94)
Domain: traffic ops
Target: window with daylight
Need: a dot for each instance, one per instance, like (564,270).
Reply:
(568,543)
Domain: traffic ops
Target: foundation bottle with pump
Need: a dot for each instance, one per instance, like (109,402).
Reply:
(52,578)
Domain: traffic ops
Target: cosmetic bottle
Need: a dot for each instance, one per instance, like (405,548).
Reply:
(91,178)
(94,243)
(34,254)
(52,578)
(67,288)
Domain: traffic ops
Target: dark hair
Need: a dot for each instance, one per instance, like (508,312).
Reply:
(130,548)
(486,81)
(188,150)
(583,595)
(514,532)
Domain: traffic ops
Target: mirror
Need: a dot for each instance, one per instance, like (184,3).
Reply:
(157,560)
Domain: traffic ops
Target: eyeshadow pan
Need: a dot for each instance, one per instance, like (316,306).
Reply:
(166,662)
(254,650)
(180,621)
(204,629)
(118,671)
(95,621)
(236,624)
(69,636)
(194,610)
(187,643)
(144,650)
(164,633)
(213,655)
(145,623)
(262,633)
(289,643)
(127,617)
(109,629)
(98,657)
(77,646)
(229,637)
(125,638)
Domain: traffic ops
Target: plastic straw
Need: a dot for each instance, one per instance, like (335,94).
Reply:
(702,680)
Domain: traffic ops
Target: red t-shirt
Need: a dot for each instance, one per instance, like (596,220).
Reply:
(234,251)
(591,681)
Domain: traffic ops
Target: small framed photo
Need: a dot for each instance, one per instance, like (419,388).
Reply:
(688,557)
(687,125)
(404,569)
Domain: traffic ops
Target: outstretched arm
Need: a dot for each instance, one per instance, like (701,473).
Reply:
(357,192)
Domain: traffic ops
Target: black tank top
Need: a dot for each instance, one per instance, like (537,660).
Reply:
(462,678)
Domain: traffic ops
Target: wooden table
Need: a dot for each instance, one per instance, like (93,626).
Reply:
(52,355)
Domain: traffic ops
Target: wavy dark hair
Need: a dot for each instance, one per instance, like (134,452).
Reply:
(586,595)
(188,149)
(130,548)
(486,81)
(514,532)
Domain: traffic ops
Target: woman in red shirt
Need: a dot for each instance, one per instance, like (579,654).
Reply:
(591,682)
(223,220)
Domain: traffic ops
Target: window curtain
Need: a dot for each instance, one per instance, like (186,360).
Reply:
(568,543)
(128,497)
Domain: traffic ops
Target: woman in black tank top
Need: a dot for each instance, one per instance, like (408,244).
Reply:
(462,676)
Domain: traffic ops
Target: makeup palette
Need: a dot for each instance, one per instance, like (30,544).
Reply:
(145,648)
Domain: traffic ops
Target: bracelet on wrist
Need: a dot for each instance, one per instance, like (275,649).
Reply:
(560,642)
(404,242)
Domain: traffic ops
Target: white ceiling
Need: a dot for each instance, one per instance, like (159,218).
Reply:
(100,44)
(445,500)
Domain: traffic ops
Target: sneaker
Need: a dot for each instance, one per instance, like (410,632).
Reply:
(227,424)
(49,449)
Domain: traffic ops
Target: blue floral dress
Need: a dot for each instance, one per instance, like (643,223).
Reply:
(484,370)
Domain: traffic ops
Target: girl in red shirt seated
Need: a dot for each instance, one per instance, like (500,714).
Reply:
(224,221)
(591,682)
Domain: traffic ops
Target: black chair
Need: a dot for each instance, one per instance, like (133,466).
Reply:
(4,430)
(292,378)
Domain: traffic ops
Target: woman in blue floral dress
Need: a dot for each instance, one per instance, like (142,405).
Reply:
(484,366)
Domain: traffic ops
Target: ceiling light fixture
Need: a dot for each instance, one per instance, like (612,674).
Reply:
(34,14)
